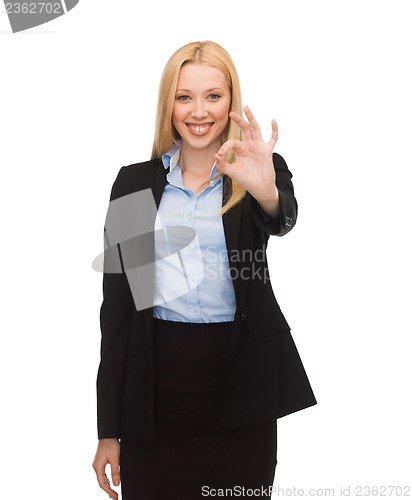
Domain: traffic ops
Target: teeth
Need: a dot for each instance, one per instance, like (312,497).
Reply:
(199,129)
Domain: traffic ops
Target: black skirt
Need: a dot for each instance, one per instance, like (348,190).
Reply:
(194,456)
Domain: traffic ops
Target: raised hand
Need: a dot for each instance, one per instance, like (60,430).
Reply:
(253,168)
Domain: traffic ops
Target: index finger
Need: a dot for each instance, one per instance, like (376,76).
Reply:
(104,484)
(243,125)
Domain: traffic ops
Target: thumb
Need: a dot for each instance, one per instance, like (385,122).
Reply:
(115,472)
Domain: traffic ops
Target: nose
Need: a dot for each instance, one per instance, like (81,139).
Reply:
(199,110)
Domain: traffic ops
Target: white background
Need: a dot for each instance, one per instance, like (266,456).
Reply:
(78,98)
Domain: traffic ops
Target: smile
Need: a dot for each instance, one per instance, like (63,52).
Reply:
(199,129)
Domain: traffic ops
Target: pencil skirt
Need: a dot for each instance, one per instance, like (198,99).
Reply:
(194,456)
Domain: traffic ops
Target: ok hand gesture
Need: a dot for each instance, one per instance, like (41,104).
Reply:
(253,168)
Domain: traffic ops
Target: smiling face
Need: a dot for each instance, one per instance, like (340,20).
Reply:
(201,107)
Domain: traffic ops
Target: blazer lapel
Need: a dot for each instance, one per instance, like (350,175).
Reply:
(231,225)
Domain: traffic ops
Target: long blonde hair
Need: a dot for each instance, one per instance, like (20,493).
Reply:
(166,135)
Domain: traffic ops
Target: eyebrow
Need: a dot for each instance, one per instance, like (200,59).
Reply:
(208,90)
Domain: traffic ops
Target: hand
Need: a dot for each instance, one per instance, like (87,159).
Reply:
(108,452)
(253,168)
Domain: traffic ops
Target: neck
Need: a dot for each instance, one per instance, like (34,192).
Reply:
(197,161)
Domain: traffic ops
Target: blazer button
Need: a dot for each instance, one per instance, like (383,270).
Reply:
(243,315)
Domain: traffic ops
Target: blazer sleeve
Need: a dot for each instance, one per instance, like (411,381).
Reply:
(288,212)
(116,315)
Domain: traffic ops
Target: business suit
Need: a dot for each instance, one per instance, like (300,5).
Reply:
(264,378)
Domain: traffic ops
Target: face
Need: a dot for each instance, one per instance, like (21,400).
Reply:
(201,106)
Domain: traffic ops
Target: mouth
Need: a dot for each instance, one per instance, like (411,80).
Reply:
(199,129)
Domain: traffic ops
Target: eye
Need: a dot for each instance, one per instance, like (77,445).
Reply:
(182,98)
(214,97)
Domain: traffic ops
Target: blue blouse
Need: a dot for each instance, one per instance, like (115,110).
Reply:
(193,284)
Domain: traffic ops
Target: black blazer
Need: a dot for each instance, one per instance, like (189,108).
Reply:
(264,378)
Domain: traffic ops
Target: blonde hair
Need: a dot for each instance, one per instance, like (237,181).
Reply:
(166,135)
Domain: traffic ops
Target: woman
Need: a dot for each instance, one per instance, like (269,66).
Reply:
(191,383)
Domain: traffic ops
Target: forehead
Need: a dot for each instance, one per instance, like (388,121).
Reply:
(194,76)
